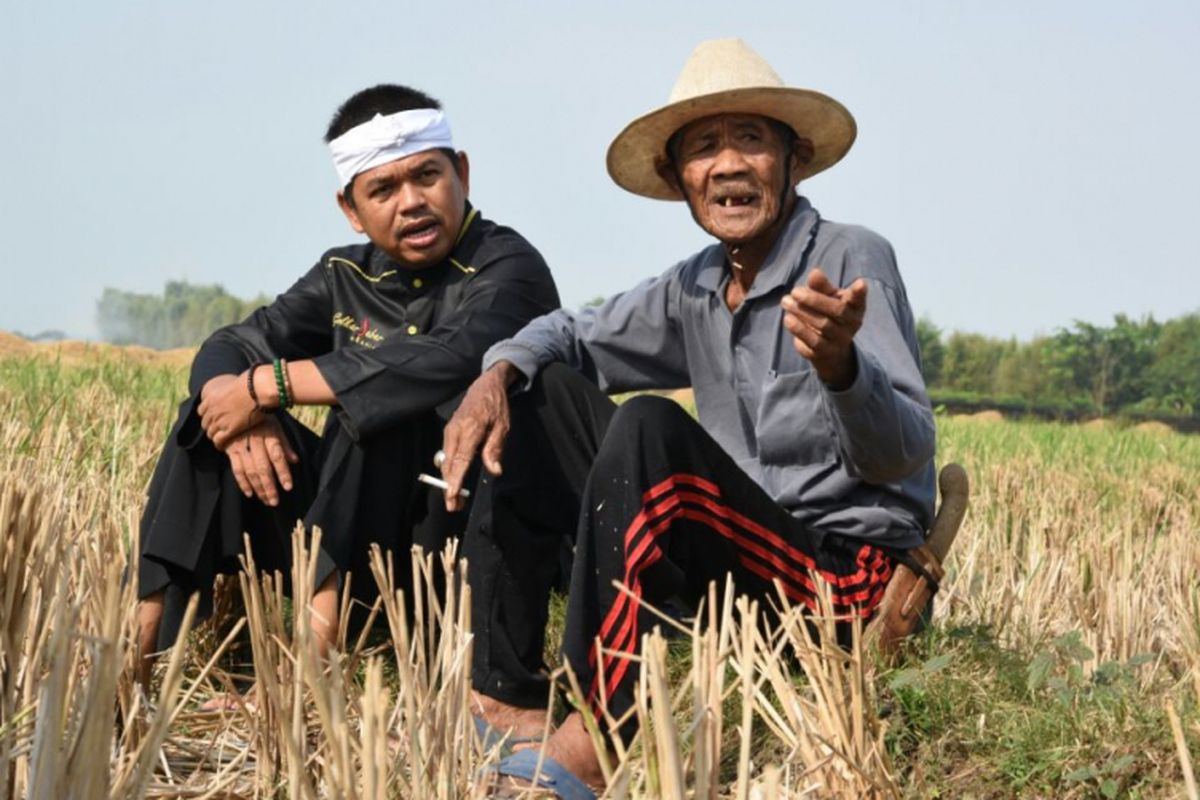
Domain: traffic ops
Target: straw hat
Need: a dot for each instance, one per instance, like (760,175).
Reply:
(724,76)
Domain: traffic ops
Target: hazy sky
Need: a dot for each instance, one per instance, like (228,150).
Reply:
(1031,162)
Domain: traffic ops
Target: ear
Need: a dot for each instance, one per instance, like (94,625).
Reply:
(802,153)
(351,214)
(464,172)
(666,170)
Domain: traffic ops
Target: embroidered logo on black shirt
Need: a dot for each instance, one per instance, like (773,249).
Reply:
(361,333)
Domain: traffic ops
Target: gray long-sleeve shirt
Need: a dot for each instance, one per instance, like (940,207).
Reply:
(858,462)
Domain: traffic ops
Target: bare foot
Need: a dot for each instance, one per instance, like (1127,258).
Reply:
(571,747)
(508,719)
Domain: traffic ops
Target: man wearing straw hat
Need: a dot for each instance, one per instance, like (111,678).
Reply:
(387,333)
(812,458)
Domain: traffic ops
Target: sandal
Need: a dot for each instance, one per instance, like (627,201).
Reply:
(552,776)
(491,738)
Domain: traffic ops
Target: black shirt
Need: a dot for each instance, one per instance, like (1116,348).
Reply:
(389,341)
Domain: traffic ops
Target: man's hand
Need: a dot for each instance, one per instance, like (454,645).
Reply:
(260,459)
(823,320)
(481,418)
(226,409)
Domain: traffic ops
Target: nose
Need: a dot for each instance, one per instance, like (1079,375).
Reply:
(410,199)
(729,161)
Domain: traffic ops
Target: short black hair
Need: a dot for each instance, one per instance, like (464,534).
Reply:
(386,98)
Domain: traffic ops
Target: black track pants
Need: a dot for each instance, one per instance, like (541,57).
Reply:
(662,509)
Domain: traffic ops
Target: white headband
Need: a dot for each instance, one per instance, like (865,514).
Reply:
(383,139)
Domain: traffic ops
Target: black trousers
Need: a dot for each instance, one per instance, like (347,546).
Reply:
(646,498)
(357,493)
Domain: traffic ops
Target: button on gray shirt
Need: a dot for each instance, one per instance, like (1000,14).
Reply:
(858,462)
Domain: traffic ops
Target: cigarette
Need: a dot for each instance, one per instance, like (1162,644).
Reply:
(441,484)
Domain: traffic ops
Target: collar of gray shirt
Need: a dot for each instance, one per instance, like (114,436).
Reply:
(781,263)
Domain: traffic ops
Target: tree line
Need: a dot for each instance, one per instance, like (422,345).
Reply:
(182,316)
(1141,366)
(1135,367)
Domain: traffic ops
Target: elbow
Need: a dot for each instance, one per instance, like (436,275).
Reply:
(880,474)
(909,454)
(893,472)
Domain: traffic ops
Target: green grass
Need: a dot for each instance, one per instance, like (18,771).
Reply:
(1116,448)
(972,717)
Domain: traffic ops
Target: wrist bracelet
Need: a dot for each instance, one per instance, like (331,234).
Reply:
(250,386)
(280,386)
(287,382)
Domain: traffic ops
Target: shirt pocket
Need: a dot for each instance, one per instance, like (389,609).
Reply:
(793,427)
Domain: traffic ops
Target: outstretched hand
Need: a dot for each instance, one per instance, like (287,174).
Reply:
(823,320)
(260,459)
(481,419)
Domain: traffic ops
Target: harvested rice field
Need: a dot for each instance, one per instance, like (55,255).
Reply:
(1063,659)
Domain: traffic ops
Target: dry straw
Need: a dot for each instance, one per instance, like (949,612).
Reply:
(1059,539)
(319,727)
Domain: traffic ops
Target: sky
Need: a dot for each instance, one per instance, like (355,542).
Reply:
(1032,163)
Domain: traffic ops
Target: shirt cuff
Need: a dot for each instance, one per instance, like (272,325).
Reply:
(355,410)
(524,358)
(852,399)
(190,433)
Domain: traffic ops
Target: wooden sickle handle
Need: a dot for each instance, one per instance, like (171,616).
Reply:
(955,489)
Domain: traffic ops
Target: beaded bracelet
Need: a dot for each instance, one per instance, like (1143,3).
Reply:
(281,385)
(287,382)
(250,386)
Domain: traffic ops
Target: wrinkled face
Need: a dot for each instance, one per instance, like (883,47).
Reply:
(732,170)
(411,208)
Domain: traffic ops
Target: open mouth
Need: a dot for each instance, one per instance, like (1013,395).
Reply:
(420,234)
(735,200)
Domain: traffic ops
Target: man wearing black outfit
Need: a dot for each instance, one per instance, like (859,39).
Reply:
(388,334)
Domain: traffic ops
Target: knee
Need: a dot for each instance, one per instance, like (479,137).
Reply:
(648,416)
(557,382)
(562,398)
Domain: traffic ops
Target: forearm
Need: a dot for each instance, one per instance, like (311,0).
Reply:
(883,417)
(548,339)
(307,387)
(886,431)
(839,373)
(294,326)
(629,342)
(507,372)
